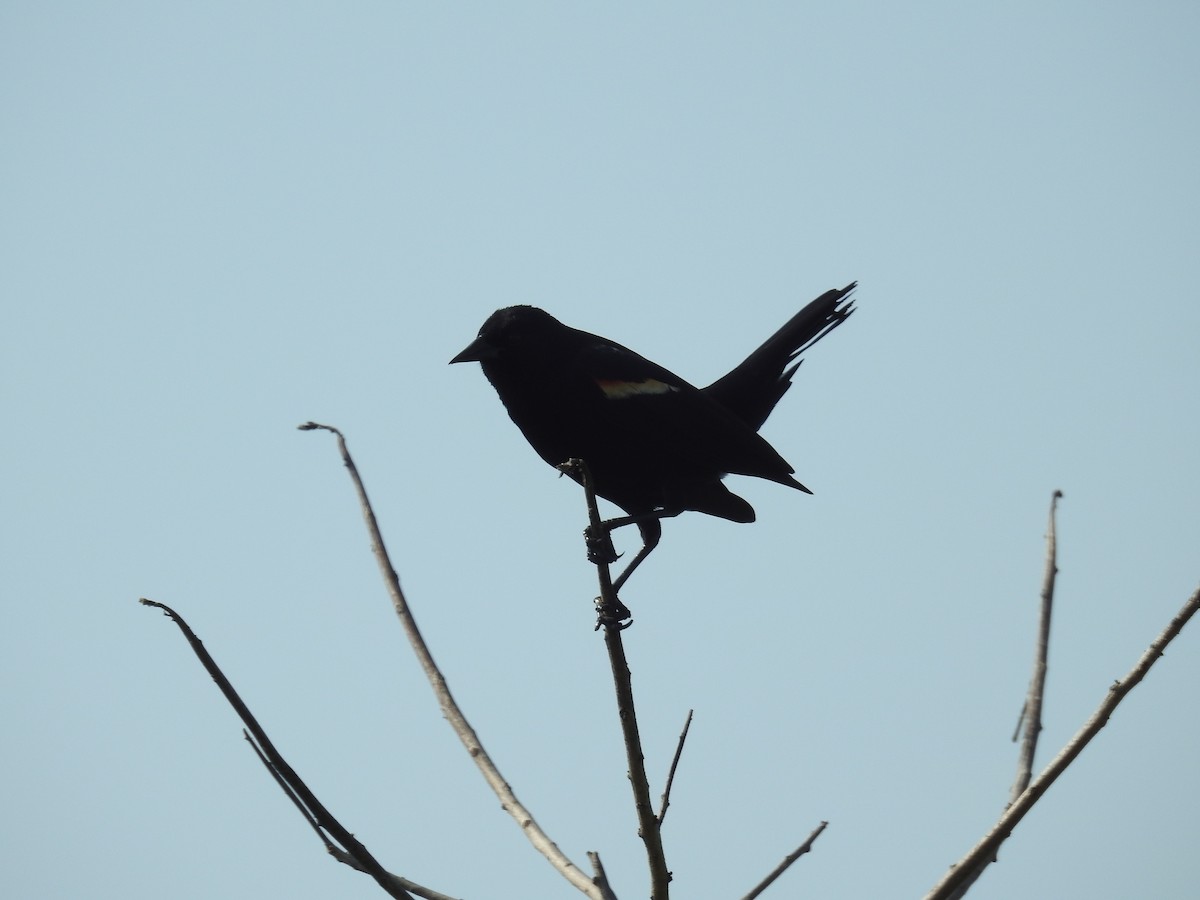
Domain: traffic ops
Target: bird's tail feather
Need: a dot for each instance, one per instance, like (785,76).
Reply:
(753,388)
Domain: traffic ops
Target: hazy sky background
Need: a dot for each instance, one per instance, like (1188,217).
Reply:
(220,220)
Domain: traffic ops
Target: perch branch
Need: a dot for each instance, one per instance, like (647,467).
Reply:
(648,824)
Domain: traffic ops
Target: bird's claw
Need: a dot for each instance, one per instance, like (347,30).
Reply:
(617,616)
(600,549)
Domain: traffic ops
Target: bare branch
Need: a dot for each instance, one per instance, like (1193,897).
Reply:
(601,877)
(1037,683)
(991,842)
(450,709)
(666,796)
(296,801)
(417,890)
(610,618)
(787,861)
(1031,709)
(297,790)
(648,829)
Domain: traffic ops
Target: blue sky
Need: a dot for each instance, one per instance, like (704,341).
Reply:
(221,220)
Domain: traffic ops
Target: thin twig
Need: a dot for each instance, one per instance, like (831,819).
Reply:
(331,848)
(666,795)
(1037,682)
(450,709)
(999,832)
(1016,735)
(1031,709)
(648,825)
(291,795)
(787,861)
(316,812)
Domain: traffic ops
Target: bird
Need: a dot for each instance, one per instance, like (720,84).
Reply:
(654,444)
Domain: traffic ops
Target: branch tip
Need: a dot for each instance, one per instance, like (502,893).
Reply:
(787,861)
(317,426)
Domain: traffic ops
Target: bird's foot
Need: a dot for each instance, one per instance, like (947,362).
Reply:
(616,615)
(600,549)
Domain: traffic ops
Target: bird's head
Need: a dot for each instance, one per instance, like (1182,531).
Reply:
(510,332)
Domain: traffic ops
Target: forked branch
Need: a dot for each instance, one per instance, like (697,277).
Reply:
(666,796)
(350,851)
(999,832)
(1031,711)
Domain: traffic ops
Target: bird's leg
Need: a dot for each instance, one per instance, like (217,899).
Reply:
(599,541)
(633,564)
(600,550)
(649,524)
(610,611)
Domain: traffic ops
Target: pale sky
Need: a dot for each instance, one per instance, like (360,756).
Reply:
(221,220)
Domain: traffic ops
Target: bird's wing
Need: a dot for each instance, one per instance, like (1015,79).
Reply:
(677,418)
(621,373)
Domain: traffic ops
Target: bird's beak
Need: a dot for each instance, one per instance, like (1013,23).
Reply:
(476,351)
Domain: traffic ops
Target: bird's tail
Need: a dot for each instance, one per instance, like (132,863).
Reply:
(753,388)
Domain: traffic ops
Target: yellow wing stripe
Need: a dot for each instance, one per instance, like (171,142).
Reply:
(620,390)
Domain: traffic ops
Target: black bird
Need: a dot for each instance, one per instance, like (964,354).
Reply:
(655,445)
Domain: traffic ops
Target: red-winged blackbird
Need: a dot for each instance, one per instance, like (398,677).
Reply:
(655,445)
